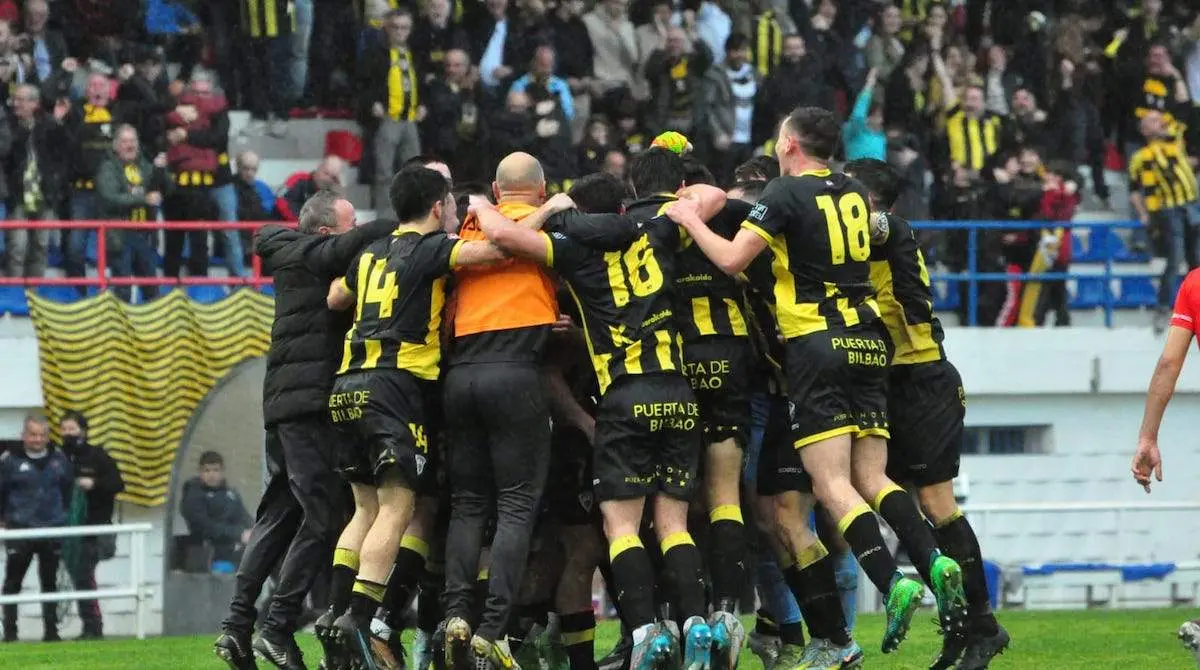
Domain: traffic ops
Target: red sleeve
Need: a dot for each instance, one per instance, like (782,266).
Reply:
(1186,314)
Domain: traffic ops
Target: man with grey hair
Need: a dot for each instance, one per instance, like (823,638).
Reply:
(38,181)
(130,188)
(300,513)
(36,483)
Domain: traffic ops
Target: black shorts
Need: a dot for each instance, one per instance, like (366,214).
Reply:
(382,418)
(780,469)
(568,499)
(719,370)
(837,384)
(926,406)
(647,438)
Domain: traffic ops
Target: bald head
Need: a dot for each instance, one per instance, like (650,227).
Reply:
(520,175)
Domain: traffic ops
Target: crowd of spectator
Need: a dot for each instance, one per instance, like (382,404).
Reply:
(987,105)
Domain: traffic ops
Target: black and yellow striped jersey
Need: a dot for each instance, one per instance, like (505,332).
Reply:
(1163,174)
(399,283)
(624,298)
(707,301)
(817,225)
(403,86)
(972,141)
(266,18)
(1158,95)
(905,296)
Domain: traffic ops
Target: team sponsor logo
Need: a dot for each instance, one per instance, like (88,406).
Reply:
(758,212)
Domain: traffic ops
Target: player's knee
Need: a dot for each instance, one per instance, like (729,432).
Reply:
(938,501)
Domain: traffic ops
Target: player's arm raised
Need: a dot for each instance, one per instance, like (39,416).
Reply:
(732,256)
(511,237)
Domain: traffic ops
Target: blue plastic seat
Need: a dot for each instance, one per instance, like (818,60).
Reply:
(59,293)
(946,297)
(1089,293)
(12,301)
(1137,292)
(206,294)
(267,289)
(1078,248)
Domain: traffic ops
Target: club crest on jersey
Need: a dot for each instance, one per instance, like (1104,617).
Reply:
(586,500)
(420,464)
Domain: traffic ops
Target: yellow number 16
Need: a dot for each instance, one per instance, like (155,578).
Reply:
(848,213)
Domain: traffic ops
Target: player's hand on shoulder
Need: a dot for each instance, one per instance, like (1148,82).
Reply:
(685,212)
(559,202)
(479,203)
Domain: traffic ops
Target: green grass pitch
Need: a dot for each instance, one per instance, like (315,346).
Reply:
(1085,640)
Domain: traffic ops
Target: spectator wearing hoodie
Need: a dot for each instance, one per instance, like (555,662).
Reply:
(97,483)
(215,514)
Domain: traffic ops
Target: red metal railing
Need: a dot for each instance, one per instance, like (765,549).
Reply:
(103,281)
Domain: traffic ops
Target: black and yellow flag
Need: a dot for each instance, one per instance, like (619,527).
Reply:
(140,371)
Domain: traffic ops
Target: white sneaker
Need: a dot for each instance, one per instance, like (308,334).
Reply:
(1189,633)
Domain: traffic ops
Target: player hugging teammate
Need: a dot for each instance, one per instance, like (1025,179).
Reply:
(761,361)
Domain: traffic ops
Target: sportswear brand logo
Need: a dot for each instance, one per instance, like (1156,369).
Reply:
(420,464)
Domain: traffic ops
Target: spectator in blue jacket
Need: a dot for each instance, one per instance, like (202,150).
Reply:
(863,132)
(36,482)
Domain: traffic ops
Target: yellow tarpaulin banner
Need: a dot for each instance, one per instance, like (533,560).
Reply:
(140,371)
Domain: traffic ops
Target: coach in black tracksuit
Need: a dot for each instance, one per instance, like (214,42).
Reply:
(299,517)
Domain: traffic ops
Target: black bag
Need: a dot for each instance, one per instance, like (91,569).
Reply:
(106,547)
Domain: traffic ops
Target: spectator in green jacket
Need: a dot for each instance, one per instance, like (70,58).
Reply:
(131,188)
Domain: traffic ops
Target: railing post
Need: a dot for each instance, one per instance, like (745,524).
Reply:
(972,282)
(137,547)
(102,255)
(1108,277)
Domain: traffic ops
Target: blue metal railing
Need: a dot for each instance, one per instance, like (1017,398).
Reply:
(973,277)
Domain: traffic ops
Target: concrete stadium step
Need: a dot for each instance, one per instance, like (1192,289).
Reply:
(305,138)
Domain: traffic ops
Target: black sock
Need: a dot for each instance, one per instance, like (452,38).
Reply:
(763,625)
(861,530)
(812,582)
(402,585)
(633,580)
(792,633)
(480,594)
(610,589)
(958,541)
(429,600)
(345,569)
(685,571)
(365,599)
(579,637)
(728,550)
(900,512)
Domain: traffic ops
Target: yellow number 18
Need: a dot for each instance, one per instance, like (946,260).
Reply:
(849,213)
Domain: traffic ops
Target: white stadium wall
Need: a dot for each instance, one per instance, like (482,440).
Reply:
(1073,396)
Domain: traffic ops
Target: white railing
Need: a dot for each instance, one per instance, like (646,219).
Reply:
(137,567)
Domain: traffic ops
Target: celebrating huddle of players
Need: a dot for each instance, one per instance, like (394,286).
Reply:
(683,310)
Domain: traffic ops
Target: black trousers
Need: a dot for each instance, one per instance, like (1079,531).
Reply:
(268,78)
(296,525)
(19,555)
(187,204)
(84,577)
(498,432)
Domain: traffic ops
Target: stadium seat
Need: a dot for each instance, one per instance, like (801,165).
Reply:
(1078,249)
(59,293)
(12,301)
(1089,293)
(1137,292)
(267,289)
(945,297)
(206,294)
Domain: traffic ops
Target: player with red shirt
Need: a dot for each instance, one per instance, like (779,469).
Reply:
(1185,322)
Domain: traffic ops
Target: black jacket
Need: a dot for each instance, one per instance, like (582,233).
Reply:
(46,139)
(92,461)
(217,515)
(35,492)
(306,338)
